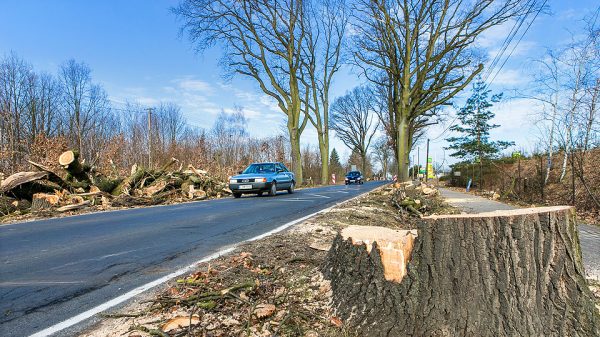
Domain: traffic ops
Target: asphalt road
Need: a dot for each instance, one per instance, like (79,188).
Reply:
(589,236)
(51,270)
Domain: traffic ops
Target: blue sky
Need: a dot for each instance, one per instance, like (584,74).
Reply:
(136,52)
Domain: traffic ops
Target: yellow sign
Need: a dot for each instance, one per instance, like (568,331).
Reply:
(430,173)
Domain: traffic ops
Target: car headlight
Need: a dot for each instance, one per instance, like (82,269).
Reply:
(232,181)
(260,180)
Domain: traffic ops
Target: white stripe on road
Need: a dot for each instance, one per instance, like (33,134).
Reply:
(294,200)
(130,294)
(320,196)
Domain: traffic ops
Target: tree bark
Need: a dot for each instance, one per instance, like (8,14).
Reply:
(44,201)
(324,151)
(296,155)
(403,149)
(19,179)
(508,273)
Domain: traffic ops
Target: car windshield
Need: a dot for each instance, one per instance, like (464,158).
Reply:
(260,168)
(353,174)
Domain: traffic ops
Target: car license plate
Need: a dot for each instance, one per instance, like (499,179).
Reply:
(245,187)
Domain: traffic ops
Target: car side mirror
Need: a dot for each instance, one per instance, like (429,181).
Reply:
(240,172)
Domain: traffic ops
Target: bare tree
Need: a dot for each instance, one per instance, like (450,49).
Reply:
(354,122)
(230,134)
(326,25)
(548,92)
(45,111)
(15,89)
(261,40)
(169,127)
(383,152)
(84,102)
(568,85)
(425,52)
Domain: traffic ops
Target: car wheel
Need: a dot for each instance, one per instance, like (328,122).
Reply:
(237,195)
(291,189)
(273,190)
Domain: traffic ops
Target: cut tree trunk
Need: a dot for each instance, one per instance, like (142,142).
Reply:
(44,201)
(504,273)
(52,176)
(74,207)
(137,173)
(19,179)
(69,160)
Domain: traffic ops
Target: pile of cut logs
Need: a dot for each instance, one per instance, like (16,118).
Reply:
(408,196)
(78,185)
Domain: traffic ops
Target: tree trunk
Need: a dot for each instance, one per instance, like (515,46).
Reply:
(402,149)
(363,162)
(504,273)
(19,179)
(69,160)
(296,156)
(324,151)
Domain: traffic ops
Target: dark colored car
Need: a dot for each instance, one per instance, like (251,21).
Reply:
(353,177)
(259,178)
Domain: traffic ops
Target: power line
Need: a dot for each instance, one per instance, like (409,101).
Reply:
(519,41)
(515,28)
(502,50)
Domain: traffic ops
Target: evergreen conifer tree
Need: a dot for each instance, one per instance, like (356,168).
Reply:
(474,145)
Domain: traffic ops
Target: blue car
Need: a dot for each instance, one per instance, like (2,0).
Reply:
(259,178)
(354,177)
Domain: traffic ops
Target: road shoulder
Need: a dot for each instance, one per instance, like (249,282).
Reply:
(271,286)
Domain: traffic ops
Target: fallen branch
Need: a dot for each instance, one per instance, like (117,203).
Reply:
(73,207)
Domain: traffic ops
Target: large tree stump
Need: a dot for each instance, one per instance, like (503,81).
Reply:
(508,273)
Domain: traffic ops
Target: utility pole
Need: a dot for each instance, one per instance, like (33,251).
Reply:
(414,167)
(149,138)
(418,161)
(427,162)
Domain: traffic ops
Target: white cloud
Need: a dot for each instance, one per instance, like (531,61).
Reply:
(511,77)
(194,85)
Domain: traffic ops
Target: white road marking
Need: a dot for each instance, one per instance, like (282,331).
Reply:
(320,196)
(294,199)
(130,294)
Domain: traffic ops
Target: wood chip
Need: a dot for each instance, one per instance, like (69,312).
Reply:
(264,310)
(336,321)
(179,322)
